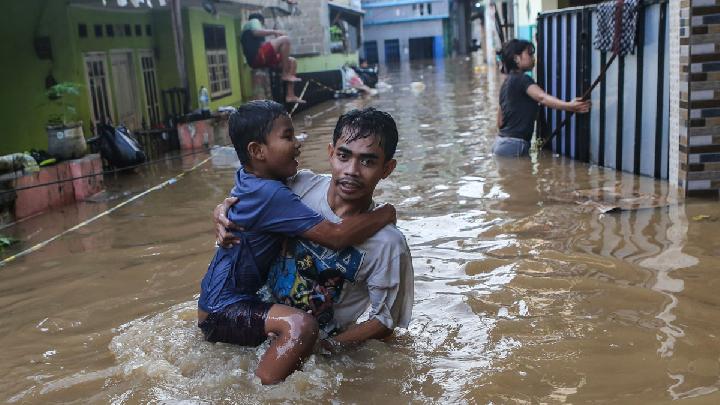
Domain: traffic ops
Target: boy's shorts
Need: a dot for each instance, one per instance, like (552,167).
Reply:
(241,323)
(266,57)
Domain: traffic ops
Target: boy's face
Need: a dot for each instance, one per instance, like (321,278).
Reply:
(357,167)
(281,149)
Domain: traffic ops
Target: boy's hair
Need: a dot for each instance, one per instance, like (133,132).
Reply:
(252,122)
(511,49)
(257,16)
(360,124)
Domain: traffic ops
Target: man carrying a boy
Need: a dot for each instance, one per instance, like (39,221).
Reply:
(361,154)
(229,308)
(269,54)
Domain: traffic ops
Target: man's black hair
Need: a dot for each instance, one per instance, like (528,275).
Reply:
(510,50)
(257,16)
(252,122)
(360,124)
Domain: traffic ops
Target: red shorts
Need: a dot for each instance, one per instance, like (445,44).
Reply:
(266,56)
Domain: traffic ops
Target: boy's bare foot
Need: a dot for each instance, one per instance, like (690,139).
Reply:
(291,79)
(295,100)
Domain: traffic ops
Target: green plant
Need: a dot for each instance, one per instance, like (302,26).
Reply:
(63,96)
(6,242)
(336,33)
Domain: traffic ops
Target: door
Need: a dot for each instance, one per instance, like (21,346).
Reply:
(422,48)
(126,101)
(392,51)
(371,52)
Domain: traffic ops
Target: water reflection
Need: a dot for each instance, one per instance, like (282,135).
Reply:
(525,292)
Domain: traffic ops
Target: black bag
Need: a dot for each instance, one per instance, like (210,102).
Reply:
(118,147)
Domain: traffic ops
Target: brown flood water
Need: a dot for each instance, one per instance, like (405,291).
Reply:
(522,295)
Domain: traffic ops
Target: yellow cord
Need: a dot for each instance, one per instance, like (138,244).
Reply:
(102,214)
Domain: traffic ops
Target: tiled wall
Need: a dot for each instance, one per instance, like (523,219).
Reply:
(699,125)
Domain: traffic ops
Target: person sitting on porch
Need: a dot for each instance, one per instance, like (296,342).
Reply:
(270,54)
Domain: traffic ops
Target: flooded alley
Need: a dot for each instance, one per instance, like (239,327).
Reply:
(525,291)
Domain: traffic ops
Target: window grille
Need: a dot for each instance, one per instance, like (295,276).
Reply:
(151,96)
(217,61)
(97,87)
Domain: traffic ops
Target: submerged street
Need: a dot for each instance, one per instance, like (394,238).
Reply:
(524,290)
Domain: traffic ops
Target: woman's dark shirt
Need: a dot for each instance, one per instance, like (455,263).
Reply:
(518,109)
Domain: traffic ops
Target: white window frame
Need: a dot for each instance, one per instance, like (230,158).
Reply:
(99,57)
(220,86)
(150,88)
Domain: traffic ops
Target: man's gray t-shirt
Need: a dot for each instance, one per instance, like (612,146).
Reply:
(384,280)
(518,109)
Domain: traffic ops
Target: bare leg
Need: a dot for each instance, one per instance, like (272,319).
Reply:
(282,46)
(296,333)
(290,95)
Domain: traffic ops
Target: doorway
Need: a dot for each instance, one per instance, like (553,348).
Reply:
(422,48)
(126,100)
(392,51)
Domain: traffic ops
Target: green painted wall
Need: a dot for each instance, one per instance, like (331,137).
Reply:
(197,62)
(325,62)
(244,68)
(24,108)
(133,44)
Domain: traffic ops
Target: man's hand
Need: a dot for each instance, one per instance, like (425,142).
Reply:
(279,33)
(389,211)
(223,227)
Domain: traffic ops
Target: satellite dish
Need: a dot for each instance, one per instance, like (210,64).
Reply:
(209,6)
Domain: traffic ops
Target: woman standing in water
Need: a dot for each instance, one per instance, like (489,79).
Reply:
(519,100)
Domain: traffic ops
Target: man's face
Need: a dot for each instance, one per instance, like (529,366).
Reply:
(357,167)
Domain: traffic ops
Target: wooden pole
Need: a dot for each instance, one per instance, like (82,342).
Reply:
(177,29)
(585,96)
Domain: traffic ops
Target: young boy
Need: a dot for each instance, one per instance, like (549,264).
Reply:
(229,309)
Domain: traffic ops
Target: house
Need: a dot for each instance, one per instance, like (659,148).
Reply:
(125,59)
(398,31)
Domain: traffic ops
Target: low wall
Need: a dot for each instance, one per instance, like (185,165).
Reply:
(38,199)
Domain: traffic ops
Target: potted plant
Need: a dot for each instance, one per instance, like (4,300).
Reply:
(65,135)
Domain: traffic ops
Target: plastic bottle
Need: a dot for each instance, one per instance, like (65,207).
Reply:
(204,100)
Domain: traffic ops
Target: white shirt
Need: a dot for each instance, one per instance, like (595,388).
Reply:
(384,281)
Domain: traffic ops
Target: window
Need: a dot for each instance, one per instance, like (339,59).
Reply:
(148,30)
(217,61)
(96,76)
(109,30)
(126,28)
(138,30)
(98,30)
(151,98)
(82,30)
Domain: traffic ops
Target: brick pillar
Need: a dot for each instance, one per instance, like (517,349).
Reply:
(699,124)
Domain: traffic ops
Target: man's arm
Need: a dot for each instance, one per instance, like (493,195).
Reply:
(356,334)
